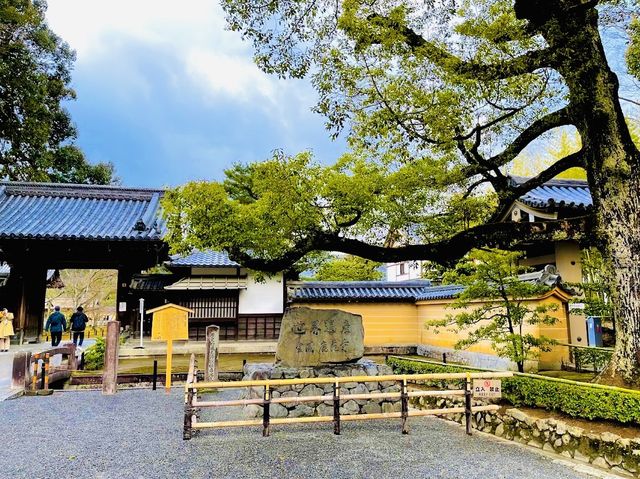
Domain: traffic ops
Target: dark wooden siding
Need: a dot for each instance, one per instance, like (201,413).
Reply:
(259,326)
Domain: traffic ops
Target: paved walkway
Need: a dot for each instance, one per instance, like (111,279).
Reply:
(138,434)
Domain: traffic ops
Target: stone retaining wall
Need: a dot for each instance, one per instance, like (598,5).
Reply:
(363,367)
(604,450)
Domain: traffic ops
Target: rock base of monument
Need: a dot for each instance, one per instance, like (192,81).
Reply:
(363,367)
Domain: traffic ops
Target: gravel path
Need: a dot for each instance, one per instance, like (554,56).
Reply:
(138,434)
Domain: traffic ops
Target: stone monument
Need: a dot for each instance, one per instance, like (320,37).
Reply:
(317,337)
(320,343)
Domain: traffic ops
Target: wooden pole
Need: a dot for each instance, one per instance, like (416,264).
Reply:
(167,381)
(467,404)
(155,373)
(110,376)
(336,408)
(404,398)
(265,411)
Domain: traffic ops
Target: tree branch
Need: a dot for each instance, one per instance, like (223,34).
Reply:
(521,65)
(495,235)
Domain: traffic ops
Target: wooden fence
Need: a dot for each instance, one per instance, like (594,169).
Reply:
(193,403)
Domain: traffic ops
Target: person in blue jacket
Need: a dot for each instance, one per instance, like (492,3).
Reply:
(56,324)
(78,323)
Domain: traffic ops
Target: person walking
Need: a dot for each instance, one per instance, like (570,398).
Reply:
(6,330)
(78,322)
(56,324)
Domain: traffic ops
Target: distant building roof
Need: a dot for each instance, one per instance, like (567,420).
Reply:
(447,291)
(151,282)
(203,259)
(416,290)
(89,212)
(357,290)
(557,193)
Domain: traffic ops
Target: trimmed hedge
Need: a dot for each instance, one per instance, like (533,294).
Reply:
(581,400)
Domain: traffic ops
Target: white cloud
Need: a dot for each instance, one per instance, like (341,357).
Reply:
(212,58)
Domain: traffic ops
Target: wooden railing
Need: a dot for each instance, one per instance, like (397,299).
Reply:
(193,404)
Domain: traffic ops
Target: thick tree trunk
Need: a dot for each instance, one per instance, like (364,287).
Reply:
(612,162)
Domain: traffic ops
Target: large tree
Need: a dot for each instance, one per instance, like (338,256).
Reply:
(36,132)
(437,99)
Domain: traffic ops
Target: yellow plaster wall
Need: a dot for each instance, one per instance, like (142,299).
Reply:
(436,310)
(393,324)
(396,324)
(568,252)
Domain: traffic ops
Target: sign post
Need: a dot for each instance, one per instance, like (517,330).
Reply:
(170,323)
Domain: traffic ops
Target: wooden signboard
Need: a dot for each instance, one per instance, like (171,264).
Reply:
(487,388)
(170,322)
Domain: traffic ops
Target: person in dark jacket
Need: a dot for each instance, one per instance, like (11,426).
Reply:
(78,322)
(56,324)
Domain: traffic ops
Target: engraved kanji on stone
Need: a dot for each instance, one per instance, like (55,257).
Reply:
(329,326)
(315,327)
(346,328)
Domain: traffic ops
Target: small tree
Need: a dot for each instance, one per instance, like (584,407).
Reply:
(349,268)
(491,276)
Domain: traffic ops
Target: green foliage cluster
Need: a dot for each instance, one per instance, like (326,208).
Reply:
(36,131)
(582,400)
(94,355)
(491,276)
(597,358)
(270,209)
(596,284)
(349,268)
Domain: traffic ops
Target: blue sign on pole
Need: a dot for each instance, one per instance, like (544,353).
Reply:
(594,331)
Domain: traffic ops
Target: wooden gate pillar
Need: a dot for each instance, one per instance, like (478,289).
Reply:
(27,288)
(124,299)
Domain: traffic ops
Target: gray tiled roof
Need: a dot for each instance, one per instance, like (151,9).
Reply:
(151,282)
(64,211)
(203,259)
(558,193)
(440,292)
(360,290)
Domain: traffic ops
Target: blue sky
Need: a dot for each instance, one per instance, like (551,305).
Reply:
(168,95)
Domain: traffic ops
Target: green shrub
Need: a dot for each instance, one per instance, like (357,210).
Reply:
(94,355)
(582,400)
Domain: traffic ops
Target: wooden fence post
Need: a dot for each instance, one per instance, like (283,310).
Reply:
(336,408)
(467,404)
(404,398)
(110,376)
(265,411)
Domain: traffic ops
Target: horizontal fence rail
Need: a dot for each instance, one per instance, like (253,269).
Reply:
(193,404)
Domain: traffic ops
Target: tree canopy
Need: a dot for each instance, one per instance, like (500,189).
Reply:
(348,268)
(36,132)
(505,317)
(437,99)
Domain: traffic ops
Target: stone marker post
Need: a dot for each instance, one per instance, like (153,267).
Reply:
(110,376)
(211,353)
(20,377)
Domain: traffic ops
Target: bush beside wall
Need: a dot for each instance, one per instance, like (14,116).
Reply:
(581,400)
